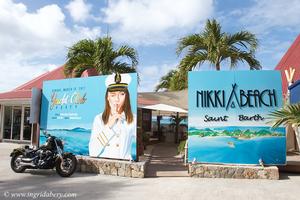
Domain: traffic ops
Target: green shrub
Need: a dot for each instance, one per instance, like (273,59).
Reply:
(180,148)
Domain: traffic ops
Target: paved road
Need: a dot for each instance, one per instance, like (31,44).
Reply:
(91,186)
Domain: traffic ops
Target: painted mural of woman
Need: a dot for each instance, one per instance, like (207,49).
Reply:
(114,130)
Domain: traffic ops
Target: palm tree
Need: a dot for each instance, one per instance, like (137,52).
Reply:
(101,55)
(165,81)
(174,80)
(290,114)
(175,119)
(215,46)
(179,81)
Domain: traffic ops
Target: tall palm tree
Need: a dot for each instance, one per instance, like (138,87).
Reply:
(289,114)
(215,46)
(101,55)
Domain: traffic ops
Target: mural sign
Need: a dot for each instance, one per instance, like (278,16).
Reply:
(94,116)
(229,115)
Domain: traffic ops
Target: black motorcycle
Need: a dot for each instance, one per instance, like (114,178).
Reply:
(47,156)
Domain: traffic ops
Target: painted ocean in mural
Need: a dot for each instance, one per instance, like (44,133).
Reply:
(77,140)
(236,144)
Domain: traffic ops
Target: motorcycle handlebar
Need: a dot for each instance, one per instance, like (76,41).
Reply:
(46,133)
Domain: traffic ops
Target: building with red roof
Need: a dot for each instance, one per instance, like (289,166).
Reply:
(15,107)
(290,59)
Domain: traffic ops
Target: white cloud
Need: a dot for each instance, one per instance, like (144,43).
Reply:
(155,21)
(276,23)
(267,14)
(29,41)
(16,71)
(150,76)
(79,10)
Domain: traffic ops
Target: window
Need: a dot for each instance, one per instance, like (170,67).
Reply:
(16,127)
(13,120)
(27,125)
(7,122)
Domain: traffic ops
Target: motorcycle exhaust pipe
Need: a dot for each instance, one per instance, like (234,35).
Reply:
(28,160)
(23,164)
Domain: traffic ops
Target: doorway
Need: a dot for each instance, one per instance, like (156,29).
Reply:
(16,125)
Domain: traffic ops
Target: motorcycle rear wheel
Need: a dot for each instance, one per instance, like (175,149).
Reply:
(15,163)
(67,166)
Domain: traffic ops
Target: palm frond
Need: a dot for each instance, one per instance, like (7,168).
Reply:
(244,39)
(189,42)
(287,115)
(165,81)
(101,55)
(190,61)
(218,46)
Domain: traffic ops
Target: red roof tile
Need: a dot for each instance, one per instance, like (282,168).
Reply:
(290,59)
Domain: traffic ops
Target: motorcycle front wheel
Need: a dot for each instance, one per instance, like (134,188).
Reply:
(15,163)
(67,166)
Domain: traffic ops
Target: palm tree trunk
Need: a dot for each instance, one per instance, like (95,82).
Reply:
(218,67)
(176,128)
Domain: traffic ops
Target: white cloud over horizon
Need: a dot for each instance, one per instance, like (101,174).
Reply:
(30,40)
(146,22)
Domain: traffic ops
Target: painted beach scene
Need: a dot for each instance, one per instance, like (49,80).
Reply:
(229,118)
(76,140)
(237,144)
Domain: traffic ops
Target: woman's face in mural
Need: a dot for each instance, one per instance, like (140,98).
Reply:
(116,101)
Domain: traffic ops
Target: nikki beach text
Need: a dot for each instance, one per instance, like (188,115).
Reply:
(237,98)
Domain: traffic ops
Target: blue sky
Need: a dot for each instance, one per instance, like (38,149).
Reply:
(34,35)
